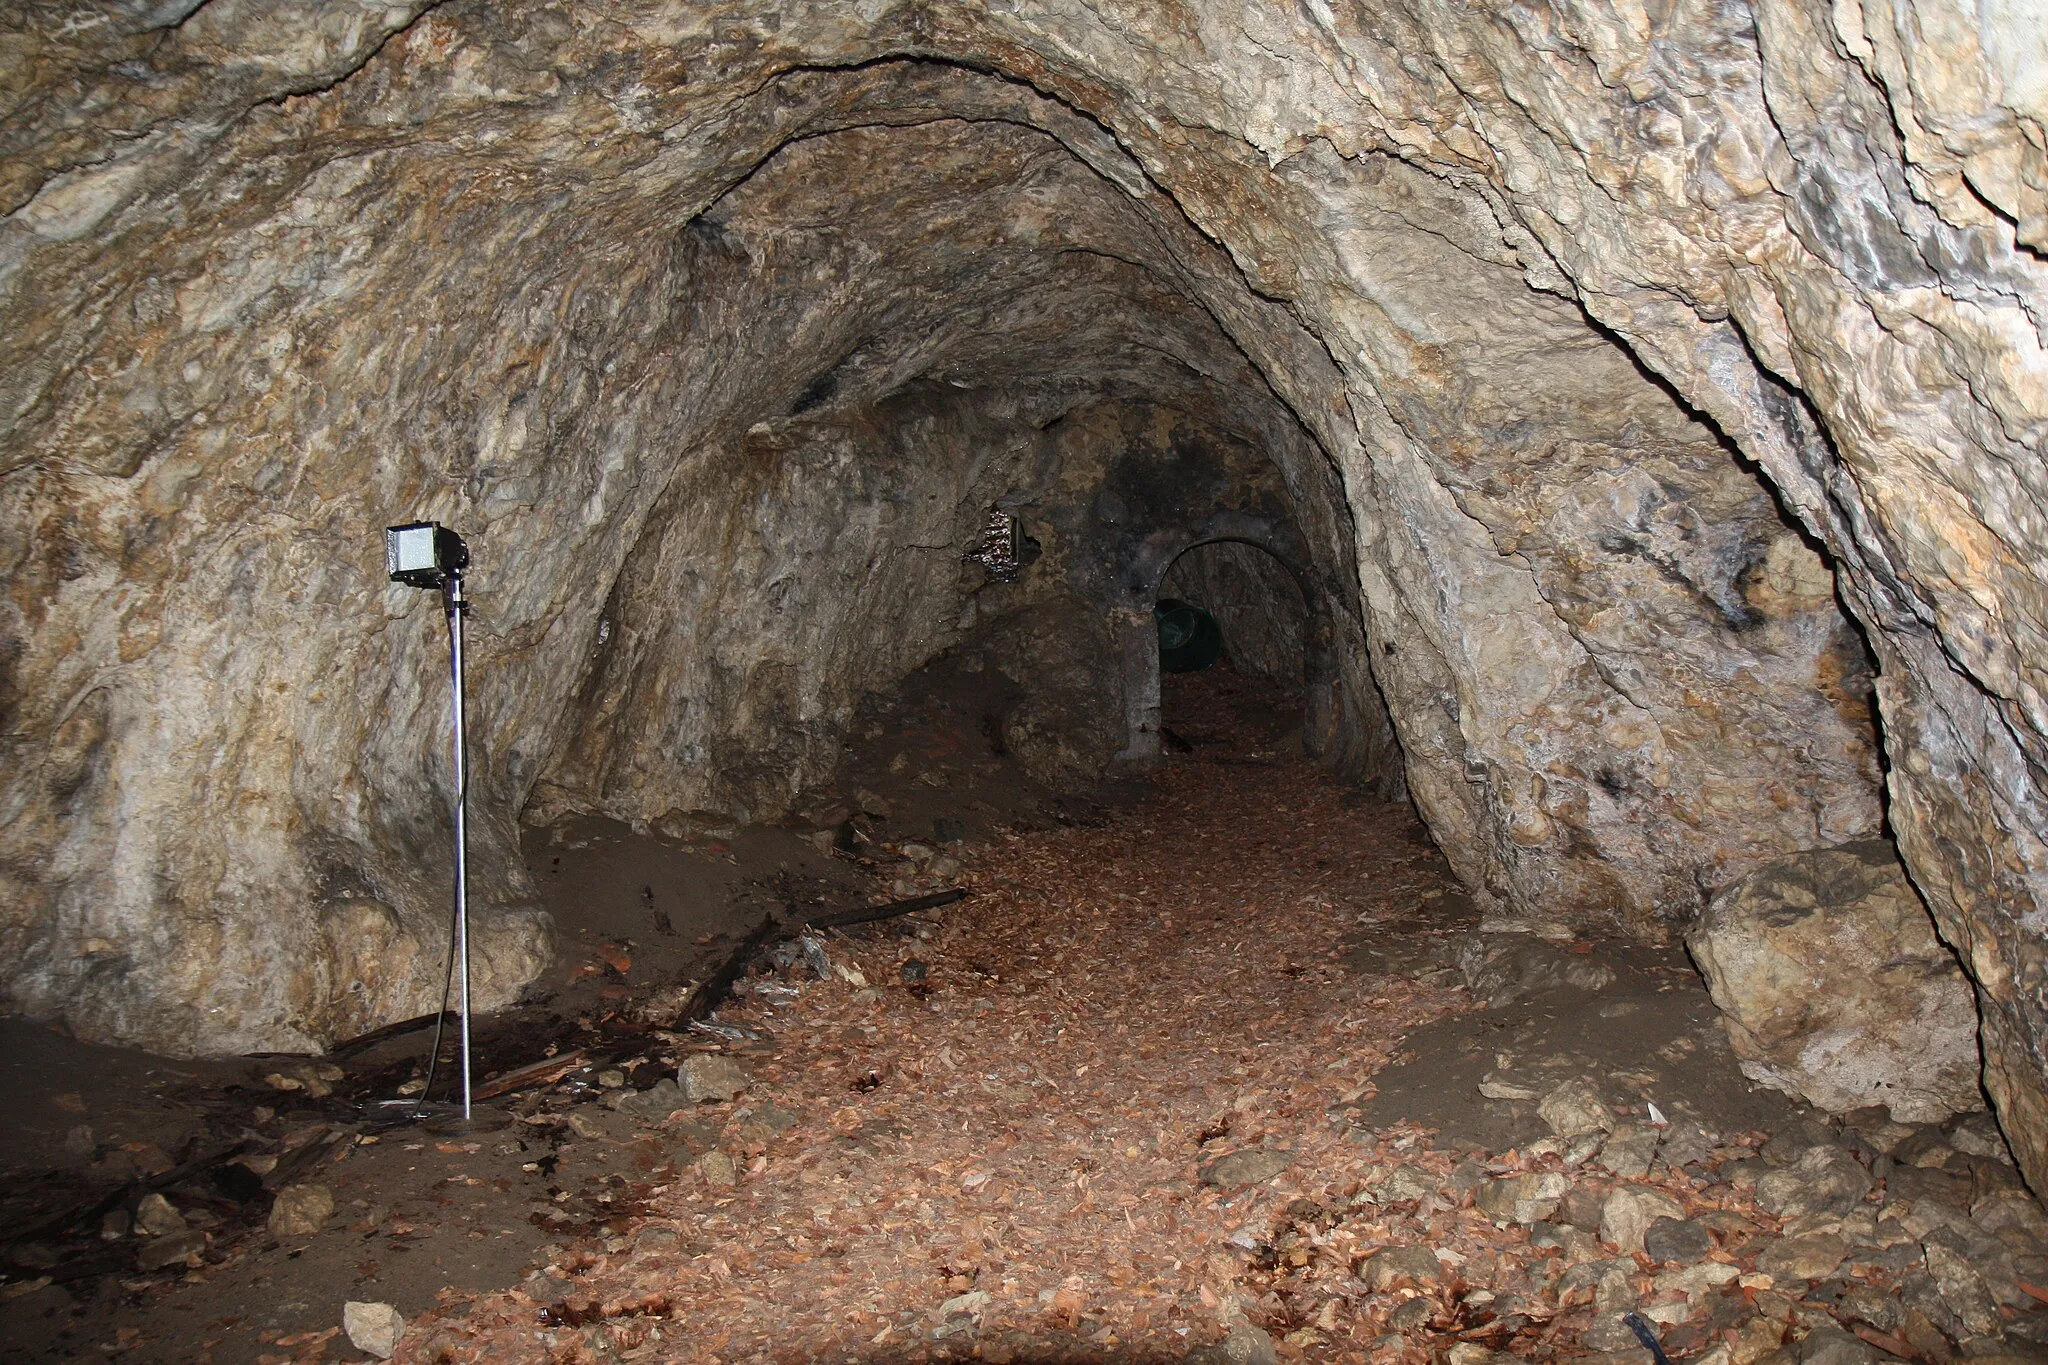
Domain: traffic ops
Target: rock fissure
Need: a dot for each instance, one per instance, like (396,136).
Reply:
(227,114)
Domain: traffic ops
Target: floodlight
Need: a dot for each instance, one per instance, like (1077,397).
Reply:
(426,554)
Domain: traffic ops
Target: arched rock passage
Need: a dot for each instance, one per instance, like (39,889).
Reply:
(720,328)
(1299,630)
(1259,600)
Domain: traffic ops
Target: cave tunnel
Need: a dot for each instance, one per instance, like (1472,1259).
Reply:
(1615,431)
(1239,605)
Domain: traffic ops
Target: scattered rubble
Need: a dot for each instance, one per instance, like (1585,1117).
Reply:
(1505,963)
(1116,1111)
(1576,1108)
(1069,1129)
(174,1248)
(1245,1168)
(301,1210)
(154,1217)
(373,1328)
(709,1077)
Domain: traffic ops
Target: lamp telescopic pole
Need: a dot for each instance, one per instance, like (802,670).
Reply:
(456,608)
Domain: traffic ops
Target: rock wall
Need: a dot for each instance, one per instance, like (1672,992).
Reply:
(831,553)
(1631,342)
(696,440)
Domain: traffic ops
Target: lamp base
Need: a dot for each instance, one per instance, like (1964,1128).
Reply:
(453,1124)
(438,1117)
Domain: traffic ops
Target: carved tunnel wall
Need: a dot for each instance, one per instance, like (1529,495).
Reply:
(1632,378)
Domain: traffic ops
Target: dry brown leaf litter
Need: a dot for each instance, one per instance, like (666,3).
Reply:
(1007,1160)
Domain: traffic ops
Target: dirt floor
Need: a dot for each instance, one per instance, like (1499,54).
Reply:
(1222,1066)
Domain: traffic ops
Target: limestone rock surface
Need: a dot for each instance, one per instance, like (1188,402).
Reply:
(1835,989)
(1651,400)
(722,368)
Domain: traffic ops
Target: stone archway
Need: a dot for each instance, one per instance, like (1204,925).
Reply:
(1135,627)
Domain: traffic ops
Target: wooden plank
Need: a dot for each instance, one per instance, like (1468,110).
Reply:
(712,993)
(364,1041)
(546,1071)
(868,914)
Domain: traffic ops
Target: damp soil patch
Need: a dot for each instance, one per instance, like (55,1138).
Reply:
(1648,1035)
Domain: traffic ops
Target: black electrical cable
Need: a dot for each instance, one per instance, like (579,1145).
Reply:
(1647,1335)
(440,1025)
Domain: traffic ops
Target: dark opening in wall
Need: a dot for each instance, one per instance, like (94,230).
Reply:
(1256,674)
(1256,603)
(1189,638)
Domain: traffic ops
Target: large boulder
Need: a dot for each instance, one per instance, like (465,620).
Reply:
(1835,989)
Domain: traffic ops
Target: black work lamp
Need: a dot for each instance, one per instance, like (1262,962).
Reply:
(424,554)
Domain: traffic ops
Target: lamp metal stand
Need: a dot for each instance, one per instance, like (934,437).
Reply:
(457,608)
(426,554)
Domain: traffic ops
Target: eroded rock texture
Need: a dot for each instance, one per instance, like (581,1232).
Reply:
(1834,988)
(1592,353)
